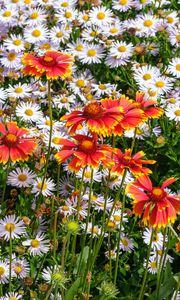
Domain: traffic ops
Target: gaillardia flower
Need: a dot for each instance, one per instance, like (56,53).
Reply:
(85,151)
(13,145)
(52,64)
(100,117)
(133,163)
(154,203)
(148,106)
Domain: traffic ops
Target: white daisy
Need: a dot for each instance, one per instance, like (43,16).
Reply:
(76,48)
(59,34)
(103,89)
(12,296)
(20,267)
(93,230)
(8,15)
(37,246)
(66,16)
(19,90)
(126,244)
(4,272)
(14,43)
(174,36)
(140,4)
(29,112)
(47,189)
(122,5)
(174,67)
(114,29)
(64,4)
(161,85)
(35,16)
(91,54)
(36,34)
(44,124)
(97,176)
(11,226)
(21,177)
(56,139)
(172,111)
(152,265)
(100,16)
(11,60)
(148,25)
(64,101)
(145,74)
(172,19)
(157,242)
(3,95)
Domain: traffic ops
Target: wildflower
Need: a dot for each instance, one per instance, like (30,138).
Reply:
(55,276)
(4,272)
(122,5)
(157,241)
(19,90)
(172,111)
(47,188)
(100,117)
(37,246)
(34,34)
(85,151)
(20,268)
(14,43)
(91,54)
(96,176)
(126,244)
(11,227)
(152,265)
(11,60)
(108,290)
(12,296)
(93,230)
(21,177)
(174,67)
(29,112)
(53,64)
(13,144)
(154,203)
(133,163)
(100,16)
(147,105)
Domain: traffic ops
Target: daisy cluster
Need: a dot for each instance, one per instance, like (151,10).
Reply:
(119,47)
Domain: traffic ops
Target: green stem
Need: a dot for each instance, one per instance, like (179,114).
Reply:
(55,236)
(174,232)
(109,250)
(10,260)
(160,267)
(177,291)
(49,293)
(5,183)
(65,238)
(141,295)
(58,179)
(1,290)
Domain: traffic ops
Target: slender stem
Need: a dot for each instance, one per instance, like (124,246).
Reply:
(109,251)
(10,260)
(89,207)
(50,137)
(4,183)
(160,267)
(58,179)
(49,293)
(55,292)
(141,295)
(65,238)
(55,236)
(1,290)
(174,232)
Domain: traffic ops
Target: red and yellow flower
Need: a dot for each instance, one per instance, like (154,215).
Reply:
(133,163)
(13,145)
(52,64)
(100,117)
(84,151)
(155,204)
(148,106)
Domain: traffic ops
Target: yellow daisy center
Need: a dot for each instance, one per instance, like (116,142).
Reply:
(68,14)
(177,112)
(39,186)
(64,100)
(170,20)
(1,112)
(36,32)
(48,123)
(59,34)
(113,30)
(56,140)
(156,238)
(139,131)
(178,37)
(117,218)
(13,298)
(22,177)
(34,15)
(10,227)
(148,23)
(153,264)
(65,4)
(11,56)
(85,18)
(102,86)
(27,1)
(65,208)
(15,1)
(7,13)
(147,76)
(123,2)
(17,42)
(18,90)
(93,33)
(124,242)
(111,224)
(87,174)
(143,1)
(122,49)
(160,84)
(91,52)
(94,230)
(11,137)
(80,83)
(178,67)
(2,271)
(45,46)
(79,47)
(172,100)
(18,269)
(101,15)
(35,243)
(151,93)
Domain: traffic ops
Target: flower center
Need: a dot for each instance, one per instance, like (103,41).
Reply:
(59,34)
(160,84)
(80,83)
(102,86)
(1,112)
(2,271)
(170,20)
(87,145)
(178,37)
(177,112)
(29,112)
(126,159)
(13,298)
(10,227)
(22,177)
(101,15)
(124,242)
(158,193)
(93,111)
(117,218)
(7,13)
(151,93)
(172,100)
(93,33)
(19,90)
(35,243)
(36,33)
(148,23)
(48,123)
(45,46)
(34,15)
(79,47)
(147,76)
(94,230)
(68,14)
(17,42)
(156,238)
(123,2)
(86,18)
(87,174)
(153,265)
(113,30)
(65,4)
(48,61)
(56,140)
(18,269)
(178,67)
(11,56)
(122,49)
(91,52)
(11,139)
(27,1)
(39,186)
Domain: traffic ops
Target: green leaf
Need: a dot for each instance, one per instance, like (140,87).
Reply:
(73,290)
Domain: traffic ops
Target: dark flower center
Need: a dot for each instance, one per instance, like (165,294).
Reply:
(87,146)
(48,61)
(158,194)
(10,140)
(93,111)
